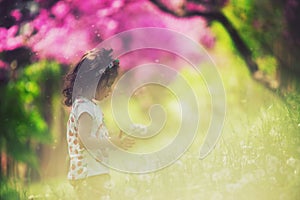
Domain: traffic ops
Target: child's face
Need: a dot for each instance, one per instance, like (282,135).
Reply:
(104,90)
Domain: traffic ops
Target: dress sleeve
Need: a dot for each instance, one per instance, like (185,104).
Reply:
(85,107)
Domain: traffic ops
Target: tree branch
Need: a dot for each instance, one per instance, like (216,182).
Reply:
(220,17)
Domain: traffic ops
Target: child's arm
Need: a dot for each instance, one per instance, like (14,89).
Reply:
(122,141)
(85,123)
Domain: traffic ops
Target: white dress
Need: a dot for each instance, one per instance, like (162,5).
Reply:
(84,162)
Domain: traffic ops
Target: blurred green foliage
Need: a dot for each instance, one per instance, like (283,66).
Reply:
(268,28)
(24,126)
(259,22)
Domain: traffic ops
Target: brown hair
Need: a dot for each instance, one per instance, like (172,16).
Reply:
(96,68)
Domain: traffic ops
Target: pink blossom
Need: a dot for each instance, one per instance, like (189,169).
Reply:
(14,42)
(207,40)
(62,49)
(91,6)
(42,20)
(9,40)
(191,6)
(60,9)
(117,4)
(16,14)
(174,4)
(3,65)
(3,35)
(11,32)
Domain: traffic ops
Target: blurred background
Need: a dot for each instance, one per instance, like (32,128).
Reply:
(255,46)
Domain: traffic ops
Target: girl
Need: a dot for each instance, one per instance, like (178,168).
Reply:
(87,137)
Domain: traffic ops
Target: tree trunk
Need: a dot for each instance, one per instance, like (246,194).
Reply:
(10,165)
(237,41)
(288,80)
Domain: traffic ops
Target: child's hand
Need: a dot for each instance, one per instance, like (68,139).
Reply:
(122,141)
(138,129)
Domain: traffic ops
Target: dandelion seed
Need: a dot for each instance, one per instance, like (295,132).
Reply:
(217,196)
(233,187)
(272,163)
(109,185)
(259,173)
(130,191)
(251,161)
(47,195)
(283,196)
(291,161)
(145,177)
(106,197)
(270,107)
(127,178)
(273,180)
(282,170)
(247,178)
(179,163)
(32,197)
(273,132)
(217,176)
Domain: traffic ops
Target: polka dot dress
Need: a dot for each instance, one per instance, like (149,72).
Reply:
(78,165)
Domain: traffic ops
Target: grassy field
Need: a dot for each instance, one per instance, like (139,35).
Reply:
(257,156)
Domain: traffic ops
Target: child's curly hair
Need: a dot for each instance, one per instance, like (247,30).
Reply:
(95,69)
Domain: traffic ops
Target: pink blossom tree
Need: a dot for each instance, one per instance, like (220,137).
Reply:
(63,30)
